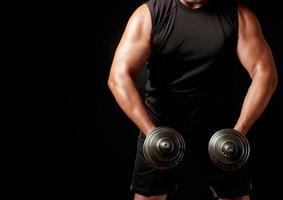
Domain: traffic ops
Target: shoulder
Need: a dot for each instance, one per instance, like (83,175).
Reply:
(247,18)
(161,5)
(159,9)
(138,26)
(140,16)
(244,11)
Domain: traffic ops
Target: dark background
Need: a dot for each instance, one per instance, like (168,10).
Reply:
(98,147)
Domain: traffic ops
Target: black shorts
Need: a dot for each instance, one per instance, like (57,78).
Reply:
(195,177)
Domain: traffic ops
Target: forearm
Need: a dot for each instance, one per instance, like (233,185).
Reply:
(256,100)
(128,98)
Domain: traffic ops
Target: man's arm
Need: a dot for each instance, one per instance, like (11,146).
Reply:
(255,55)
(131,55)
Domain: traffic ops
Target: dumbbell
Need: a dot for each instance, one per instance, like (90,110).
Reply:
(163,148)
(228,149)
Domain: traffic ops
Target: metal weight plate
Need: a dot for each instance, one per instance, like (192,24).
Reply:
(229,149)
(164,148)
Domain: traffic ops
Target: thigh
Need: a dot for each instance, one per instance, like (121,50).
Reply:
(148,181)
(193,181)
(230,184)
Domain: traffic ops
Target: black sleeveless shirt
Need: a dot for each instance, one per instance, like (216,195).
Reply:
(191,66)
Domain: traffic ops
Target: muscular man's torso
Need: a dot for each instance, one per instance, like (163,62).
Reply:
(191,66)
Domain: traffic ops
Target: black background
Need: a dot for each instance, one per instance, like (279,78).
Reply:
(96,140)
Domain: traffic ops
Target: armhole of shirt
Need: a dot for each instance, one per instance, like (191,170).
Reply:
(231,18)
(152,16)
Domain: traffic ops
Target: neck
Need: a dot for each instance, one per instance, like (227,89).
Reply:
(193,3)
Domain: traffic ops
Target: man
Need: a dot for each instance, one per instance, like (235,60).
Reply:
(189,47)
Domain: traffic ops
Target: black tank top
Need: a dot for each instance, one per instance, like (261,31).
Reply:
(191,66)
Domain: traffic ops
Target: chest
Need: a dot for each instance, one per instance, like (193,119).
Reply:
(196,36)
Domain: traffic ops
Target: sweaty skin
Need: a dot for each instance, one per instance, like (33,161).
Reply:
(135,48)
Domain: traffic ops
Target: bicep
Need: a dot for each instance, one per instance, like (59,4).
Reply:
(253,51)
(135,45)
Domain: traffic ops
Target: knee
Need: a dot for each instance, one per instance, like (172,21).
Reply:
(237,198)
(141,197)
